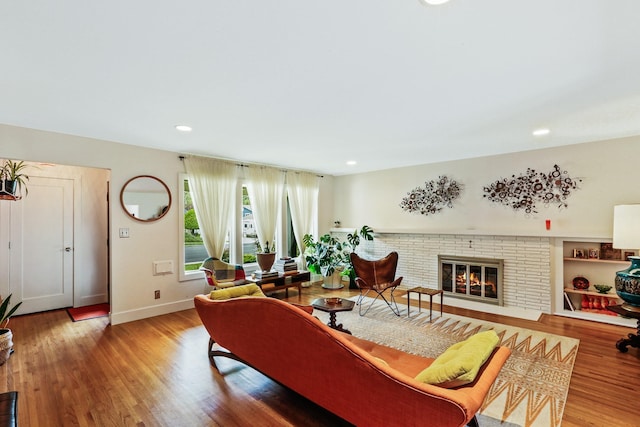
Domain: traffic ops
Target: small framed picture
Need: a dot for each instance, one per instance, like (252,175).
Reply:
(594,253)
(608,252)
(579,253)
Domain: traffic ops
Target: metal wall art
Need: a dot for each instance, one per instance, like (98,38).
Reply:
(524,191)
(433,197)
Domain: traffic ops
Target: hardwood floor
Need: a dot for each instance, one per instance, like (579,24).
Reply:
(155,372)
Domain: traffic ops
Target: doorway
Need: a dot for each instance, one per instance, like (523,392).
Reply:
(57,239)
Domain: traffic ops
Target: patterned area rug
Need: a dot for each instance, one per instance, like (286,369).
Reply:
(530,390)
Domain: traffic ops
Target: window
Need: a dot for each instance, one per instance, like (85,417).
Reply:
(249,235)
(192,251)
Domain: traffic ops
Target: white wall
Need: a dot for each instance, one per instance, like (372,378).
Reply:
(608,173)
(608,170)
(326,208)
(132,281)
(90,228)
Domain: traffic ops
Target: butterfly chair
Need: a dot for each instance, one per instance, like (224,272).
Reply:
(377,276)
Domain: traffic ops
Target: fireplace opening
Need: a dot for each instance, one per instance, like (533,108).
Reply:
(478,279)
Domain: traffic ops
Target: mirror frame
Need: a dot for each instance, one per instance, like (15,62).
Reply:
(129,214)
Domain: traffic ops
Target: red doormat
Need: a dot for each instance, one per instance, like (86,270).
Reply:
(88,312)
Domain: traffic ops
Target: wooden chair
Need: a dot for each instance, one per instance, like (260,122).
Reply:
(377,276)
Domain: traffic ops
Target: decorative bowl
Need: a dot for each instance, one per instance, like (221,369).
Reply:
(333,301)
(603,289)
(580,283)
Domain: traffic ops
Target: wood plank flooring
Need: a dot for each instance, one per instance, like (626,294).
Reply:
(155,372)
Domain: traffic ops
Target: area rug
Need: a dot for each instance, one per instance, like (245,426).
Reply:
(530,390)
(88,312)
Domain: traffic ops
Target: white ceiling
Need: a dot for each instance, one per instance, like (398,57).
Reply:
(311,84)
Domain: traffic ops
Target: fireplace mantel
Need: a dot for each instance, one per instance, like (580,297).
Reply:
(551,234)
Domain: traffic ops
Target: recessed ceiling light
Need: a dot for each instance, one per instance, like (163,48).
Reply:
(183,128)
(351,162)
(541,132)
(433,2)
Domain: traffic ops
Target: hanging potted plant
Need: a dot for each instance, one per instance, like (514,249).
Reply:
(265,257)
(13,177)
(6,336)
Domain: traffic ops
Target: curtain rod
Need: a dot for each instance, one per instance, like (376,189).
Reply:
(242,165)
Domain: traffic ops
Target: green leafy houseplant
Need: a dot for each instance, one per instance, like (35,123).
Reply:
(6,336)
(329,254)
(13,177)
(267,248)
(6,313)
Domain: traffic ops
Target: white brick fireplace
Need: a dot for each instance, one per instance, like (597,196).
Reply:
(526,261)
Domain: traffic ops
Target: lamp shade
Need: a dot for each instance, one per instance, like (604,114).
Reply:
(626,226)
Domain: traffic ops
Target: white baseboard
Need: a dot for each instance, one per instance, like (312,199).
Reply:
(146,312)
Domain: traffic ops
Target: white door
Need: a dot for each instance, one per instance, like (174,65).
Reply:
(41,248)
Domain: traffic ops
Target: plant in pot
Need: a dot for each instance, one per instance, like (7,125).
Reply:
(6,336)
(265,257)
(353,240)
(328,255)
(13,177)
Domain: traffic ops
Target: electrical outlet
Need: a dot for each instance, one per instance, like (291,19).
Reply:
(124,233)
(156,294)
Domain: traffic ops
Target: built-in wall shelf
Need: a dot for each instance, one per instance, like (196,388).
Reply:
(587,304)
(605,261)
(610,294)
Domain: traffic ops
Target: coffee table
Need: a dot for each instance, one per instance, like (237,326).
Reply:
(344,305)
(424,291)
(282,281)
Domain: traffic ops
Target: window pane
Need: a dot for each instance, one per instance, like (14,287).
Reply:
(194,250)
(249,236)
(447,277)
(292,244)
(475,280)
(461,279)
(491,282)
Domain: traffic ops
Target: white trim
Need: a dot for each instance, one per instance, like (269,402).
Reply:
(152,311)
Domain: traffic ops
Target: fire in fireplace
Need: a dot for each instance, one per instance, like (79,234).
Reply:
(477,279)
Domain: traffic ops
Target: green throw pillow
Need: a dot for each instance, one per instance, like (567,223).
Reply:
(460,363)
(251,290)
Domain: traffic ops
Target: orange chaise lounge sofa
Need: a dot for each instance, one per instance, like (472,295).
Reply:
(363,382)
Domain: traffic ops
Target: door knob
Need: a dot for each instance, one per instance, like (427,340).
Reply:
(67,249)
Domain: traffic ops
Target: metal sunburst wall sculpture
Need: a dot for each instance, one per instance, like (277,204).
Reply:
(523,192)
(433,197)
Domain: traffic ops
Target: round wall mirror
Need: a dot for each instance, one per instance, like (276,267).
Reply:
(145,198)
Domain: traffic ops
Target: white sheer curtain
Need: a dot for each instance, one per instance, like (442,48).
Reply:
(212,183)
(265,186)
(302,189)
